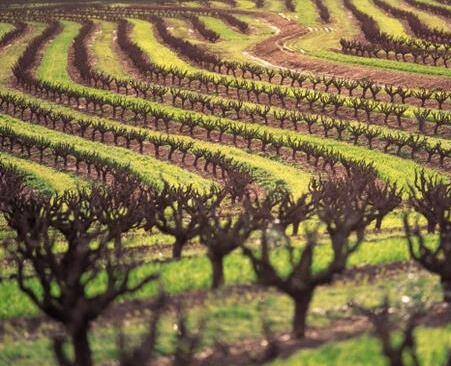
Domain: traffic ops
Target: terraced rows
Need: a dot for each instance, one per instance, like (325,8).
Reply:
(237,93)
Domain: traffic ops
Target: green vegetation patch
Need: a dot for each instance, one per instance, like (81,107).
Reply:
(41,177)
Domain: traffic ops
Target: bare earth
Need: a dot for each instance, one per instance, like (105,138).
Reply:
(272,50)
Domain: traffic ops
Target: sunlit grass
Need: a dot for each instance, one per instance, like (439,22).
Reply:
(41,177)
(194,273)
(385,22)
(102,49)
(363,351)
(430,19)
(149,169)
(10,55)
(5,28)
(325,45)
(309,47)
(307,13)
(237,317)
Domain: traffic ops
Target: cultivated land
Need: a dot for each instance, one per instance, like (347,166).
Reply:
(231,182)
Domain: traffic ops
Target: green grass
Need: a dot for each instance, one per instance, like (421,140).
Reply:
(342,22)
(191,274)
(312,50)
(320,39)
(267,172)
(43,178)
(10,55)
(389,167)
(275,6)
(235,45)
(295,175)
(150,44)
(5,28)
(142,31)
(235,318)
(231,45)
(102,45)
(38,176)
(178,23)
(219,4)
(54,62)
(226,32)
(432,2)
(150,170)
(245,4)
(430,19)
(383,160)
(386,22)
(182,28)
(325,45)
(365,350)
(307,13)
(231,318)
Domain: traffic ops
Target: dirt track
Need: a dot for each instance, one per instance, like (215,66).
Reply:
(273,50)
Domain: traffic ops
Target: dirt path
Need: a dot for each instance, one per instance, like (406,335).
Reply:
(274,51)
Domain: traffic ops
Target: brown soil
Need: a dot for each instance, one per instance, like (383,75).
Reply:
(273,50)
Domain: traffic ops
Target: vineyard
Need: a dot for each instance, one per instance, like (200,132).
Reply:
(225,182)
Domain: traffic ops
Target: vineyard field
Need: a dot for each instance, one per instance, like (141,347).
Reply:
(225,182)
